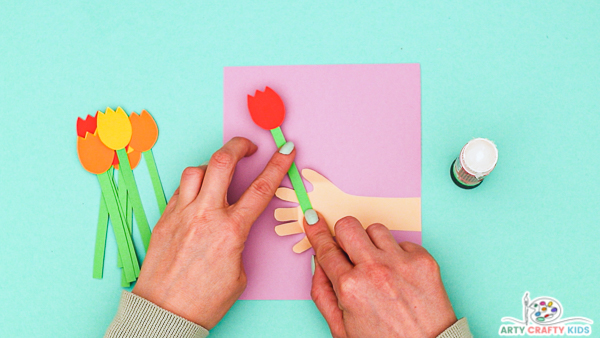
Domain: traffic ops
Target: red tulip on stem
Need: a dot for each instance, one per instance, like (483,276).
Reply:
(268,112)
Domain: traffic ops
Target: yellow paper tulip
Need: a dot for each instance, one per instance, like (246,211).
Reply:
(114,128)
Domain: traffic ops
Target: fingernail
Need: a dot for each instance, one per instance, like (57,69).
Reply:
(205,163)
(311,217)
(287,148)
(312,264)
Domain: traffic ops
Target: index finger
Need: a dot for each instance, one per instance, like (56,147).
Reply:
(256,198)
(220,170)
(329,254)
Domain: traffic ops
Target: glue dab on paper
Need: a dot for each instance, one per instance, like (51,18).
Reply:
(477,159)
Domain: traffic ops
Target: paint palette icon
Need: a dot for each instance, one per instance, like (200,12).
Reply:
(545,310)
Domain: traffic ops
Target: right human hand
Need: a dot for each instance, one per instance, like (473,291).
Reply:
(368,285)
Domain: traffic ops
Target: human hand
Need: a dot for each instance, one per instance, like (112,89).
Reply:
(334,204)
(194,263)
(368,285)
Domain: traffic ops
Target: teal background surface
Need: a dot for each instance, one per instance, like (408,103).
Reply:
(523,74)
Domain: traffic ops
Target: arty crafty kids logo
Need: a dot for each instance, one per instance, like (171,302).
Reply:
(543,317)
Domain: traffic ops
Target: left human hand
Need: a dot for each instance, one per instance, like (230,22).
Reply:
(194,263)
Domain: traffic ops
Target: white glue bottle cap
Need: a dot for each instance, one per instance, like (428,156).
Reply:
(479,157)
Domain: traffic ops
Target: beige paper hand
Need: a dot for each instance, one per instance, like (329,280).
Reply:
(334,204)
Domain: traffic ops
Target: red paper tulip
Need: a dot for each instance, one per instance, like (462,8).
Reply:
(86,126)
(266,108)
(267,111)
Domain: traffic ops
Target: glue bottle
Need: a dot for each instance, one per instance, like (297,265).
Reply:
(477,159)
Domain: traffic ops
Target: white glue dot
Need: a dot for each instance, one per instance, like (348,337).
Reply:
(480,156)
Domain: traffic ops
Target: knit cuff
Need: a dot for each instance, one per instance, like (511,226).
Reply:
(460,329)
(138,317)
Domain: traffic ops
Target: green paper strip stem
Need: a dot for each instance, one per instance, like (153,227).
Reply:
(129,217)
(124,282)
(126,205)
(129,213)
(125,210)
(112,178)
(156,183)
(123,198)
(278,137)
(122,191)
(112,204)
(128,230)
(126,222)
(293,173)
(134,195)
(100,247)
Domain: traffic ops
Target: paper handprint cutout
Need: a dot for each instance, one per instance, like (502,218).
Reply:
(334,204)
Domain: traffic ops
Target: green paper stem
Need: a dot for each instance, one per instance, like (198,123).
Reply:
(112,204)
(122,191)
(134,195)
(125,203)
(100,247)
(112,178)
(128,230)
(120,188)
(156,183)
(124,282)
(293,173)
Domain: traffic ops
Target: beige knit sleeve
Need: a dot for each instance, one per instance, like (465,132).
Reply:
(137,317)
(460,329)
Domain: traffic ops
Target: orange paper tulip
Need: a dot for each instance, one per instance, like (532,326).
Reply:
(133,155)
(145,131)
(94,156)
(114,128)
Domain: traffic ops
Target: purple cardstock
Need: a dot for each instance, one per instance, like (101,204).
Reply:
(358,125)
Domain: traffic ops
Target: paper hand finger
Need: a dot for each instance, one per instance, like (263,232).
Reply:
(286,194)
(302,246)
(286,214)
(289,229)
(318,181)
(313,176)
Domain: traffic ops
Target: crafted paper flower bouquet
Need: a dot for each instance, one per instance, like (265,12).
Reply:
(110,141)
